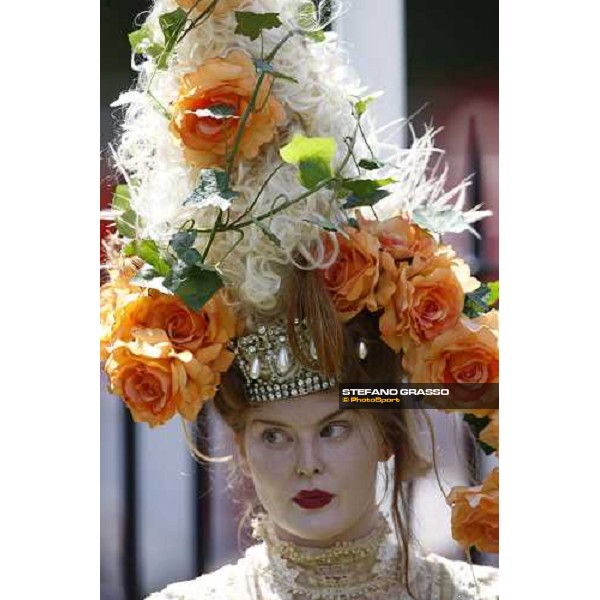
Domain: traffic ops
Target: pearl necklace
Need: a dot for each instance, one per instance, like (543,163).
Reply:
(364,568)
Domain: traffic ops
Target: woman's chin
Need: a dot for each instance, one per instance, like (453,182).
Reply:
(314,525)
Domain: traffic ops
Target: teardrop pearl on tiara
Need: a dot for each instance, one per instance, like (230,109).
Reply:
(255,368)
(283,361)
(362,351)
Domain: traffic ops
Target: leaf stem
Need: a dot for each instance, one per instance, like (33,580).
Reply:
(281,42)
(168,50)
(200,18)
(242,125)
(350,149)
(364,137)
(259,194)
(211,239)
(233,247)
(285,205)
(161,106)
(252,104)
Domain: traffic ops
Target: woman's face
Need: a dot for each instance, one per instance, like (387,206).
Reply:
(314,467)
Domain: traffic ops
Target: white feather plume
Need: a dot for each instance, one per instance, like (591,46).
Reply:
(319,105)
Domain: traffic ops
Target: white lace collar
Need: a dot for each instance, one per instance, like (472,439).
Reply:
(364,568)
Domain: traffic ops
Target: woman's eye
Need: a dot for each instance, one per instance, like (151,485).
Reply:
(274,436)
(335,430)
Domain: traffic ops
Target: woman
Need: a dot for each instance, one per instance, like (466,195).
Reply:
(244,270)
(314,470)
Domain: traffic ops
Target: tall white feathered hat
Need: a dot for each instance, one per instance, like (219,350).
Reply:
(246,153)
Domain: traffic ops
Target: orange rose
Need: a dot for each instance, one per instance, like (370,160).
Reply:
(402,239)
(148,376)
(155,381)
(491,434)
(475,514)
(352,279)
(223,82)
(426,302)
(388,279)
(186,329)
(166,358)
(222,7)
(113,296)
(467,353)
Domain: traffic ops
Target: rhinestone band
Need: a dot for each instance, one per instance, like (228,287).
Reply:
(271,372)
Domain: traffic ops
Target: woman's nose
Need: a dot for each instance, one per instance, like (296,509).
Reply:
(309,461)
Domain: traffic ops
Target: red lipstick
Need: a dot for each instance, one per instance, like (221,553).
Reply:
(313,499)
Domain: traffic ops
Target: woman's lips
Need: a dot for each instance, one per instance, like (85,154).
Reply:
(313,499)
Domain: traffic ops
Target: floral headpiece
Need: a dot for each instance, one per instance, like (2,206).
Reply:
(246,151)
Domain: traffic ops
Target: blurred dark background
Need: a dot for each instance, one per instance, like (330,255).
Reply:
(162,519)
(452,67)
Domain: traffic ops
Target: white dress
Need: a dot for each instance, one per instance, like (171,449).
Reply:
(360,570)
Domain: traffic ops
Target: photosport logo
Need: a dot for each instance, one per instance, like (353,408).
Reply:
(406,395)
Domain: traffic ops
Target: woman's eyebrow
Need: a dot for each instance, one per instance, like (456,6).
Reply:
(269,422)
(331,416)
(281,424)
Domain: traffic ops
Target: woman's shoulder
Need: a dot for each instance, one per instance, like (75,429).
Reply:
(456,580)
(230,582)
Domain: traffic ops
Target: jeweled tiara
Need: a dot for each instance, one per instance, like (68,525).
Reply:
(270,369)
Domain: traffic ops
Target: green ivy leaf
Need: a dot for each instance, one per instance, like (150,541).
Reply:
(477,424)
(129,249)
(146,273)
(365,192)
(191,257)
(148,251)
(148,277)
(194,284)
(363,188)
(308,21)
(494,296)
(313,157)
(126,221)
(487,449)
(354,201)
(141,43)
(139,39)
(171,25)
(272,237)
(306,148)
(251,24)
(213,182)
(370,164)
(182,244)
(221,110)
(360,107)
(160,54)
(313,172)
(477,301)
(439,220)
(183,241)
